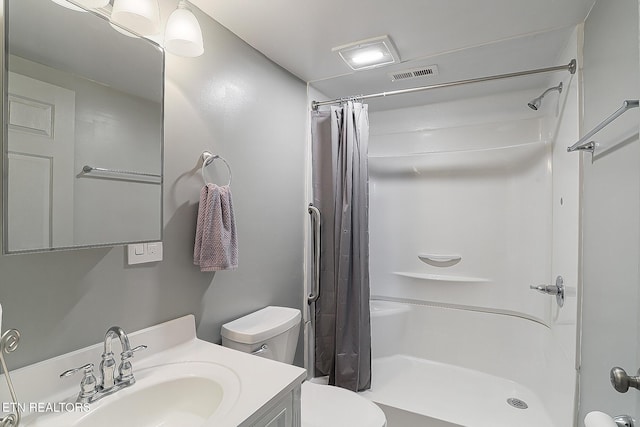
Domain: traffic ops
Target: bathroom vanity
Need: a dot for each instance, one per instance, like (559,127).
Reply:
(181,381)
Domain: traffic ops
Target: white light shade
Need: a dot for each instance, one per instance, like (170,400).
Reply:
(183,35)
(68,5)
(141,16)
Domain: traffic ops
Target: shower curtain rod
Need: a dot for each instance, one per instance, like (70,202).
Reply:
(571,67)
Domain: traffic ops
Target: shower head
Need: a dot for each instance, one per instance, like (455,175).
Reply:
(534,104)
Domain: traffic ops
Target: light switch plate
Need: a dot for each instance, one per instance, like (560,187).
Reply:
(139,253)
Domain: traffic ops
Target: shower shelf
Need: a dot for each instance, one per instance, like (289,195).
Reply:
(440,277)
(439,259)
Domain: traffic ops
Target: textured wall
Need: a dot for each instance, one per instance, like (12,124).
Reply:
(232,101)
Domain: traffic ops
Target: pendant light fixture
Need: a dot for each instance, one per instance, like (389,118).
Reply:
(141,16)
(183,35)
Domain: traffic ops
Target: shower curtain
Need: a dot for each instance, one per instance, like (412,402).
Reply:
(340,139)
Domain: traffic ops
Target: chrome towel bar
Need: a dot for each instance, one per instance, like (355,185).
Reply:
(585,143)
(89,169)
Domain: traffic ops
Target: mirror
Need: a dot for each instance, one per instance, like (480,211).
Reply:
(83,134)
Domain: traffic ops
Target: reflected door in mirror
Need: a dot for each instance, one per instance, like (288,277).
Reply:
(40,164)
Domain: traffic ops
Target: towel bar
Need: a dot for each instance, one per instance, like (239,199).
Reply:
(89,169)
(584,144)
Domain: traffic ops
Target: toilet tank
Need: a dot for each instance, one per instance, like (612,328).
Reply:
(275,327)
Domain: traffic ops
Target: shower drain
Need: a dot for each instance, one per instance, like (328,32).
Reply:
(517,403)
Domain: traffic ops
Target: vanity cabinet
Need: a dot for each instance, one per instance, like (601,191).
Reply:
(283,412)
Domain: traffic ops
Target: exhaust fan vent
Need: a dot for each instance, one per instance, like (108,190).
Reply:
(428,71)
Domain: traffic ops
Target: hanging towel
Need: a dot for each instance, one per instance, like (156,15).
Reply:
(216,246)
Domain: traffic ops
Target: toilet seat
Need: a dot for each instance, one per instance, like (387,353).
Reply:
(329,406)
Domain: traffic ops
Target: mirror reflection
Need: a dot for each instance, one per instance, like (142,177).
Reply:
(83,145)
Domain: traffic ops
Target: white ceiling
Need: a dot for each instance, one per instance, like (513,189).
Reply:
(299,34)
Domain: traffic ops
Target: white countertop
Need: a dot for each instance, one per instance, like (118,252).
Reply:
(262,381)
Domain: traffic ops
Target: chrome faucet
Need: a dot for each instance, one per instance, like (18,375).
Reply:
(91,390)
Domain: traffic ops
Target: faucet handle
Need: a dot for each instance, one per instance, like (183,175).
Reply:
(129,353)
(88,385)
(88,369)
(126,370)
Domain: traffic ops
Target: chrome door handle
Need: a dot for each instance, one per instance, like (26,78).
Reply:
(557,290)
(621,381)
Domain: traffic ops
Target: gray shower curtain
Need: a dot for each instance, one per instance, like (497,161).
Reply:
(340,140)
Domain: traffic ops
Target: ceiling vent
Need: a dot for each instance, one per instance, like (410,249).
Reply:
(428,71)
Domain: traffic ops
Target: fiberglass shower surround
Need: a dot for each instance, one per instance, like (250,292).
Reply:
(461,223)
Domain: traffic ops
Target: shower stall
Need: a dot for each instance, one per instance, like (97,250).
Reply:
(474,202)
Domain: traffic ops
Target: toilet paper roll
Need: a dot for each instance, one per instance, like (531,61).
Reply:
(598,419)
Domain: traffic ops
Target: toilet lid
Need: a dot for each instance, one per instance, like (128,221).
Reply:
(329,406)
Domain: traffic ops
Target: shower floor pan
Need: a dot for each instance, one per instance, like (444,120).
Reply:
(413,391)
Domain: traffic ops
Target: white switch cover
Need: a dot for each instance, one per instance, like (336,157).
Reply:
(139,253)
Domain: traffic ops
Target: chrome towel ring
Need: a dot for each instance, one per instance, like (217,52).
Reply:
(207,159)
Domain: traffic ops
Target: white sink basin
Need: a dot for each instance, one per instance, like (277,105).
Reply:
(184,394)
(182,381)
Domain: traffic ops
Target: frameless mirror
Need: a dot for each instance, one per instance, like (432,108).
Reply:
(83,135)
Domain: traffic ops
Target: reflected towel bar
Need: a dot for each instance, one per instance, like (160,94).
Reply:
(590,146)
(89,169)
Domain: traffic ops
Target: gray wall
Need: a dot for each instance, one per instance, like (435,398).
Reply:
(611,209)
(231,101)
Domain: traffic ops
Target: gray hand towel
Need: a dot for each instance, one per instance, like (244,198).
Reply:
(216,245)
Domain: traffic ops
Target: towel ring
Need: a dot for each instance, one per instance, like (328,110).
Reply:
(207,159)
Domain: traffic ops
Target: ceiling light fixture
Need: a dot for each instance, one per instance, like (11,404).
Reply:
(140,16)
(183,35)
(370,53)
(367,57)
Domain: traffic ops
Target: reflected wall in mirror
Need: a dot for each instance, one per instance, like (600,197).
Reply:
(79,93)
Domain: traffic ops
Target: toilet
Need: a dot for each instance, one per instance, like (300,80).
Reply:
(272,332)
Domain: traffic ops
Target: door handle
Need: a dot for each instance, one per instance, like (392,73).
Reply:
(621,381)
